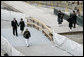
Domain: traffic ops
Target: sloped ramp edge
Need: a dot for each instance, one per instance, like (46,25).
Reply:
(8,48)
(68,45)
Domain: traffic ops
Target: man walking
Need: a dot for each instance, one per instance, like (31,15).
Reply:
(74,17)
(14,25)
(70,20)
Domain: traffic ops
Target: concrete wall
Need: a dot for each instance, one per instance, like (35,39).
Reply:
(8,48)
(67,45)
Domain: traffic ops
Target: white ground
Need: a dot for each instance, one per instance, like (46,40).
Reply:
(37,37)
(46,16)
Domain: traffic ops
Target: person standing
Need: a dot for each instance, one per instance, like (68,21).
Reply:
(62,15)
(27,35)
(59,17)
(22,25)
(74,17)
(70,20)
(14,25)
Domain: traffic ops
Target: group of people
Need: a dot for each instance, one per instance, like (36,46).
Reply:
(26,33)
(72,19)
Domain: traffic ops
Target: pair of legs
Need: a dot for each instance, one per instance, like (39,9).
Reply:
(27,42)
(60,21)
(74,25)
(15,31)
(70,27)
(22,29)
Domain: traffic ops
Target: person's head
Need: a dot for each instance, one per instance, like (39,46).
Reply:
(59,11)
(21,19)
(26,29)
(14,19)
(74,12)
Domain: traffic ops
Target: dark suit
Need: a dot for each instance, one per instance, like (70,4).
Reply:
(74,17)
(70,20)
(14,25)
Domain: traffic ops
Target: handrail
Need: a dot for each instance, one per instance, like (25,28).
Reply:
(33,22)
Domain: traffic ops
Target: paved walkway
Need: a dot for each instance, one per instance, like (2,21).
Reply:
(37,37)
(41,46)
(42,50)
(43,14)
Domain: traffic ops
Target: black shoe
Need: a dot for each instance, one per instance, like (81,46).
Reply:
(14,34)
(74,27)
(17,35)
(27,46)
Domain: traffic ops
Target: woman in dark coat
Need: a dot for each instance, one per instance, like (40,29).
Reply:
(22,25)
(26,36)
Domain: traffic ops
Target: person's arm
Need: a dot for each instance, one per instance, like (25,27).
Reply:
(24,34)
(12,23)
(24,24)
(17,23)
(29,34)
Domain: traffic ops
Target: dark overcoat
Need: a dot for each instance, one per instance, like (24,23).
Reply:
(22,25)
(27,34)
(70,20)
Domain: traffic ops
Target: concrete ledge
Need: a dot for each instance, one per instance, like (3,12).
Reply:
(8,48)
(73,32)
(68,45)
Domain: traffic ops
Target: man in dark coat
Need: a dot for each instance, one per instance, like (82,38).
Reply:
(74,19)
(14,25)
(60,17)
(70,20)
(27,35)
(22,25)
